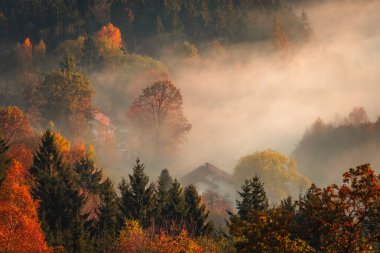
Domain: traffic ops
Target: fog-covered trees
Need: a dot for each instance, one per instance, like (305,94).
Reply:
(65,96)
(342,218)
(279,173)
(157,116)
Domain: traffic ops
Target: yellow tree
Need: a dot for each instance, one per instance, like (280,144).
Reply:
(279,173)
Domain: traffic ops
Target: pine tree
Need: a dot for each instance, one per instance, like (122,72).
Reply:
(4,160)
(196,216)
(137,196)
(253,198)
(55,186)
(175,210)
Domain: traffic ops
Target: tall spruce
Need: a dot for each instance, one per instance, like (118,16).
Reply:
(196,216)
(89,176)
(55,186)
(175,210)
(137,196)
(4,160)
(108,218)
(164,184)
(253,198)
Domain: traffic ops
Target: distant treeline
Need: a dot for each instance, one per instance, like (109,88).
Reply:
(327,148)
(199,20)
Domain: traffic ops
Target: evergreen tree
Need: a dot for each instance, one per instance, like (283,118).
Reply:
(4,161)
(253,198)
(175,210)
(108,215)
(196,216)
(91,56)
(164,184)
(55,186)
(89,175)
(137,196)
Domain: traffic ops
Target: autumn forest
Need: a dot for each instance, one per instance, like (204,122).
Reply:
(189,126)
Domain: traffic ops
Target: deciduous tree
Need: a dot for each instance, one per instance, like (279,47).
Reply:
(20,229)
(157,114)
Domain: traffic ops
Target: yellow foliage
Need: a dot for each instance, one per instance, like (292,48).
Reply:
(62,143)
(134,239)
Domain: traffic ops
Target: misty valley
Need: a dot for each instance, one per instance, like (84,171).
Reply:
(189,126)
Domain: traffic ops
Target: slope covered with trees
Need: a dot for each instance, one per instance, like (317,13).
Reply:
(328,147)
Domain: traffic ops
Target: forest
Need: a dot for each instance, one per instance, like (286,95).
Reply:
(107,109)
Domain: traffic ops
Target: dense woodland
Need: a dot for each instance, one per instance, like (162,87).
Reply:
(85,90)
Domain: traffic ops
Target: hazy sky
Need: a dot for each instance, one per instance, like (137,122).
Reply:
(259,101)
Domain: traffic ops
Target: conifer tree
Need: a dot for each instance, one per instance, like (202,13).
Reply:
(196,216)
(55,186)
(4,161)
(108,218)
(89,176)
(253,198)
(137,196)
(91,56)
(175,210)
(164,184)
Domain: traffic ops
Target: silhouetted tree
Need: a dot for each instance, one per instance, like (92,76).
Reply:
(137,196)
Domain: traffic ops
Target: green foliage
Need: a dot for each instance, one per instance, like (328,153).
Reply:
(137,196)
(175,209)
(89,176)
(4,160)
(107,224)
(253,198)
(55,186)
(65,96)
(164,184)
(196,218)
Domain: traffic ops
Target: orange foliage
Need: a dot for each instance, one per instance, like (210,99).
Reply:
(23,154)
(20,229)
(27,44)
(109,39)
(15,125)
(77,152)
(134,239)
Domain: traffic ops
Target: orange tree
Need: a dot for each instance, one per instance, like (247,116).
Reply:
(20,229)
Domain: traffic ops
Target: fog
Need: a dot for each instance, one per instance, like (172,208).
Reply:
(249,99)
